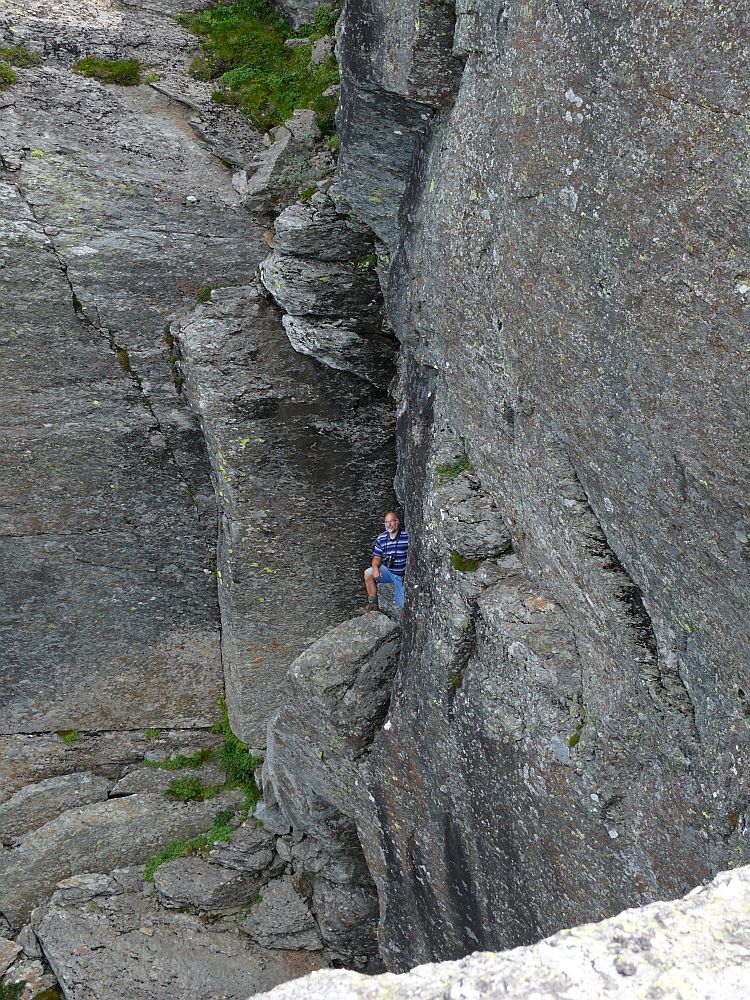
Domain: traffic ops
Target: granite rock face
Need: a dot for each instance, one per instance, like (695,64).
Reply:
(571,299)
(693,949)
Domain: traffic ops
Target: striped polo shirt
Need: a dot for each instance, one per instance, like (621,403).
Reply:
(385,547)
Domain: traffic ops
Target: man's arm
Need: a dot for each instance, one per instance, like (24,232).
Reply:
(376,561)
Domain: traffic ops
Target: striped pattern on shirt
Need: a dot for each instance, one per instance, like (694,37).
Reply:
(385,547)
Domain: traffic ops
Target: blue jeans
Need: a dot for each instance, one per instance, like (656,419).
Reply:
(398,584)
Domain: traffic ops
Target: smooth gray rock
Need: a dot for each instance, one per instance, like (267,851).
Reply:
(692,949)
(298,12)
(282,919)
(340,345)
(251,848)
(126,947)
(212,888)
(322,49)
(34,804)
(327,289)
(104,835)
(272,818)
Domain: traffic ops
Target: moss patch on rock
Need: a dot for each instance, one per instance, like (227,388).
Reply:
(124,72)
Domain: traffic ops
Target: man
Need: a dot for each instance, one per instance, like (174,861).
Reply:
(388,562)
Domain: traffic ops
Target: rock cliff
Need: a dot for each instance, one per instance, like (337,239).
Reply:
(558,197)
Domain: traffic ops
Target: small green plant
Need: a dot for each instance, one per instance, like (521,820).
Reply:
(449,470)
(204,294)
(12,991)
(125,72)
(190,789)
(221,830)
(19,55)
(307,194)
(180,761)
(152,733)
(236,761)
(575,737)
(68,736)
(7,75)
(152,78)
(365,263)
(333,143)
(463,565)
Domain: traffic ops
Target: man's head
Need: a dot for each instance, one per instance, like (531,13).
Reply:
(391,522)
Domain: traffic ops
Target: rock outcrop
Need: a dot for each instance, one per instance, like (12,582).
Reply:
(692,949)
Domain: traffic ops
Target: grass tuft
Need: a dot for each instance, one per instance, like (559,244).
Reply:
(19,55)
(191,789)
(7,75)
(68,736)
(244,53)
(236,761)
(221,830)
(449,470)
(125,72)
(152,733)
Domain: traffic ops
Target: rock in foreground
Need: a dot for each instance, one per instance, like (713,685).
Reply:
(697,948)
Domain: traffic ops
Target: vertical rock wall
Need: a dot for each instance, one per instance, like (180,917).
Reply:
(562,190)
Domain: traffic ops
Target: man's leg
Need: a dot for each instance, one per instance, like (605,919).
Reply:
(372,591)
(386,576)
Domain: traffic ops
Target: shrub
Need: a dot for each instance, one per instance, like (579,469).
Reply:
(125,72)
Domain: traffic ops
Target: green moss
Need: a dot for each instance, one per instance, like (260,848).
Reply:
(244,52)
(68,736)
(449,470)
(365,263)
(180,761)
(204,294)
(324,23)
(7,75)
(307,194)
(190,789)
(19,55)
(221,830)
(152,78)
(464,565)
(125,72)
(123,358)
(575,737)
(152,733)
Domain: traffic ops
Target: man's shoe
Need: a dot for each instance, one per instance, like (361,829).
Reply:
(370,606)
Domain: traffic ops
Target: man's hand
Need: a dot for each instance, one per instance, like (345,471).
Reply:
(376,567)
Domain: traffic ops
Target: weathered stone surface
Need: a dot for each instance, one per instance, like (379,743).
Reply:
(35,804)
(211,887)
(250,849)
(301,471)
(692,949)
(298,12)
(9,952)
(329,289)
(26,758)
(127,948)
(570,324)
(282,919)
(103,836)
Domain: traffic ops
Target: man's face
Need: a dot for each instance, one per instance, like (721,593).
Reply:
(391,524)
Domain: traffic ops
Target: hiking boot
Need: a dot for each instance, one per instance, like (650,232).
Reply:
(370,606)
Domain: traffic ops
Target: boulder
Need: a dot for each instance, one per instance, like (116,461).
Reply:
(194,883)
(282,919)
